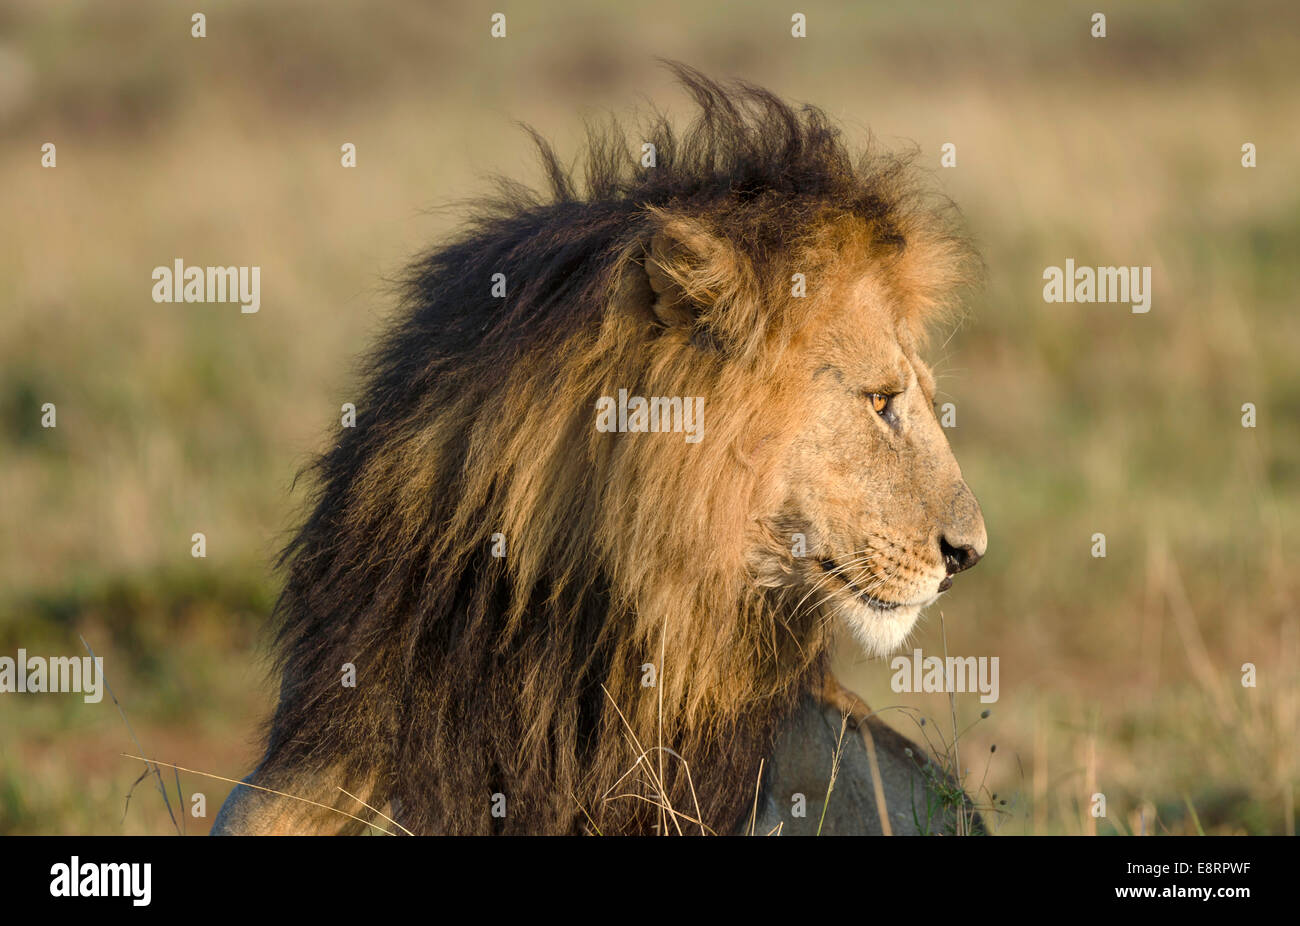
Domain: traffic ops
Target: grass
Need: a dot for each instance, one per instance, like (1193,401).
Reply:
(1120,675)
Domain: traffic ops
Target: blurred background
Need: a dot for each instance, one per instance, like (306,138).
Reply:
(1119,675)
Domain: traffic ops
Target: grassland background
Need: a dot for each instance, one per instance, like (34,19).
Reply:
(1119,675)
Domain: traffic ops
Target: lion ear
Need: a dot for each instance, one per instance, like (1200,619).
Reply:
(684,276)
(672,268)
(693,273)
(681,276)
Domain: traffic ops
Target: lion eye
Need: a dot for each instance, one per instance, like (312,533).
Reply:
(879,402)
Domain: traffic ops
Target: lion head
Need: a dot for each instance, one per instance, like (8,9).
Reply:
(542,601)
(855,501)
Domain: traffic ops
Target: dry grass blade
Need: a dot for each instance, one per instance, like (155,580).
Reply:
(642,755)
(235,781)
(882,808)
(375,810)
(956,753)
(835,770)
(162,788)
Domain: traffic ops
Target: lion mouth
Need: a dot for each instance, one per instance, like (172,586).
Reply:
(860,593)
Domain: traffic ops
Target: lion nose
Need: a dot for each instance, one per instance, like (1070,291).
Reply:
(962,540)
(958,558)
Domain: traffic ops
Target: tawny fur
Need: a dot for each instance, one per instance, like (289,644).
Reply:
(522,675)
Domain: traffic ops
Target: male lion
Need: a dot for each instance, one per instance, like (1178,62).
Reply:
(562,628)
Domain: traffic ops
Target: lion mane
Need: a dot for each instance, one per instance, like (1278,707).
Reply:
(508,693)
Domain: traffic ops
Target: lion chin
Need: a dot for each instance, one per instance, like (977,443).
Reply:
(880,631)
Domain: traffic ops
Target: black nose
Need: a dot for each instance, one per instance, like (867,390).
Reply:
(957,559)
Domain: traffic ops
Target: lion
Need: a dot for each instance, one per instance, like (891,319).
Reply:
(499,617)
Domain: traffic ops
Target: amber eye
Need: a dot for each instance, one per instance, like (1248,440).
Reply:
(879,402)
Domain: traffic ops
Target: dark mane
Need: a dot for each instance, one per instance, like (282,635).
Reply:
(479,675)
(761,171)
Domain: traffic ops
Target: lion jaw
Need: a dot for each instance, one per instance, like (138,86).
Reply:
(880,631)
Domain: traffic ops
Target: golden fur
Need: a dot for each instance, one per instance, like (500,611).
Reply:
(521,676)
